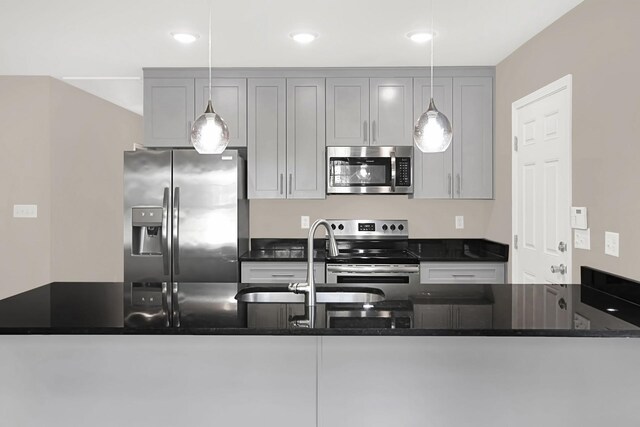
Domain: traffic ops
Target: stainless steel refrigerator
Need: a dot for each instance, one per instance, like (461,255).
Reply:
(186,220)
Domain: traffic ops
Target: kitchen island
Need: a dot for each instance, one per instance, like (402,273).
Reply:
(67,357)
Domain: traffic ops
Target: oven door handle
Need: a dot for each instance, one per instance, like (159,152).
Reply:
(393,171)
(368,269)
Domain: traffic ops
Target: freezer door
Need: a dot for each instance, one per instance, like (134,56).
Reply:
(206,305)
(147,208)
(205,217)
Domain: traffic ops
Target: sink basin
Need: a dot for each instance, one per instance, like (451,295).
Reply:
(324,295)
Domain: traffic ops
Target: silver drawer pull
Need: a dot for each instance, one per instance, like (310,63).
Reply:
(463,275)
(283,275)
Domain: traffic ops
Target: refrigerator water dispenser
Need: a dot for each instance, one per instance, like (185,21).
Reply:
(146,236)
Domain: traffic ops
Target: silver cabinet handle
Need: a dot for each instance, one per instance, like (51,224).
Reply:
(373,132)
(562,269)
(562,246)
(450,181)
(562,304)
(366,131)
(282,275)
(458,184)
(463,275)
(176,306)
(393,171)
(281,183)
(290,183)
(165,305)
(176,231)
(165,231)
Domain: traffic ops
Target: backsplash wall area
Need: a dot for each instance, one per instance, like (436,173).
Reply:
(427,218)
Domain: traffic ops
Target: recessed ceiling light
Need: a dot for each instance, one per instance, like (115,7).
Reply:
(420,36)
(185,38)
(303,37)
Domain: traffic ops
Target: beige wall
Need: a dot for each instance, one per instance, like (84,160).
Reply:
(597,42)
(62,150)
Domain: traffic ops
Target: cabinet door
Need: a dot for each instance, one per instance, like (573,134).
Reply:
(229,98)
(433,172)
(267,144)
(478,316)
(473,137)
(432,316)
(347,111)
(462,272)
(305,139)
(279,272)
(266,316)
(168,112)
(391,111)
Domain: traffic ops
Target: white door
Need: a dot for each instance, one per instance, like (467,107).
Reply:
(541,125)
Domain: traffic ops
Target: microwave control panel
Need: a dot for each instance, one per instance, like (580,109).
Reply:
(403,171)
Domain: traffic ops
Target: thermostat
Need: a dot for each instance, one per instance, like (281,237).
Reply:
(579,218)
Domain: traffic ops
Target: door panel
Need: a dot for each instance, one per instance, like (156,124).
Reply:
(347,112)
(391,112)
(168,112)
(229,98)
(432,316)
(433,171)
(205,230)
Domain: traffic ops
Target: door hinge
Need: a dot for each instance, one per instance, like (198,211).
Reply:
(515,143)
(515,241)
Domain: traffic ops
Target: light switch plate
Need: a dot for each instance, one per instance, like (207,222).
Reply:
(459,222)
(611,243)
(25,211)
(579,217)
(580,322)
(582,239)
(304,221)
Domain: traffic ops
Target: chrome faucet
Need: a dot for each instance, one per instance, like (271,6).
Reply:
(309,288)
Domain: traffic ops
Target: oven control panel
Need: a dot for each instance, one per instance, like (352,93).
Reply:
(370,228)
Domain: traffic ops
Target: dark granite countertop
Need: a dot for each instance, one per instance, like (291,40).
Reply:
(427,250)
(603,306)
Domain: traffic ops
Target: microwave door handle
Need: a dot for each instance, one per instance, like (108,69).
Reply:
(393,171)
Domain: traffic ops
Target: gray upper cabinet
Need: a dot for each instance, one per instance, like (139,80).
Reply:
(433,172)
(229,98)
(267,143)
(391,111)
(305,138)
(347,111)
(168,112)
(473,137)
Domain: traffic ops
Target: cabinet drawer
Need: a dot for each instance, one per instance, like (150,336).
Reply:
(279,272)
(460,272)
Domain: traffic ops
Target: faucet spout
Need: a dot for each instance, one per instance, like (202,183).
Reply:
(333,251)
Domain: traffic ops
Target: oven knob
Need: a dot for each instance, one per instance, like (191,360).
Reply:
(341,227)
(401,227)
(384,227)
(393,227)
(333,226)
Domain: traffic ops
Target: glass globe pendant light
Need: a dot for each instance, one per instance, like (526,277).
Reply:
(210,133)
(432,132)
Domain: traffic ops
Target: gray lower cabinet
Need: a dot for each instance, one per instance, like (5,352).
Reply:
(465,169)
(168,112)
(276,316)
(171,105)
(462,272)
(229,99)
(453,316)
(363,111)
(286,139)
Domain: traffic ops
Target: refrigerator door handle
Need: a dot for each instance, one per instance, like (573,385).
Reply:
(166,304)
(176,231)
(165,231)
(176,306)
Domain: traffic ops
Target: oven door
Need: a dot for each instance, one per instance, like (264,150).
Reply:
(406,274)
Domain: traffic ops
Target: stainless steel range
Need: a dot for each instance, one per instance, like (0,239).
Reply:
(373,253)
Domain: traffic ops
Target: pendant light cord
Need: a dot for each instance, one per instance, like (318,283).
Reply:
(433,36)
(210,7)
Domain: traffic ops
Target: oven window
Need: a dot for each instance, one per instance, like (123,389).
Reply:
(373,279)
(360,172)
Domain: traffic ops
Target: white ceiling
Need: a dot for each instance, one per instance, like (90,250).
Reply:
(117,38)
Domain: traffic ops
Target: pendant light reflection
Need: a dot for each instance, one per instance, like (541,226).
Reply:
(210,133)
(432,132)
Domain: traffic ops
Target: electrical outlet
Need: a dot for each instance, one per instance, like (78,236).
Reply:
(304,221)
(25,211)
(582,239)
(611,243)
(459,222)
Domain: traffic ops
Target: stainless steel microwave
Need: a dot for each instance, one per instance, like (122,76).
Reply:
(370,170)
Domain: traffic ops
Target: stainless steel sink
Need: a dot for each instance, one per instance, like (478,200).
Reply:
(325,295)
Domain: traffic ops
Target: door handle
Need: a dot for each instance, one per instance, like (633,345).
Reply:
(166,305)
(176,231)
(281,183)
(562,269)
(165,231)
(562,246)
(176,306)
(373,132)
(290,183)
(393,171)
(562,304)
(450,180)
(366,129)
(458,184)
